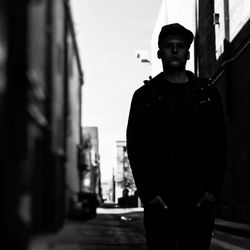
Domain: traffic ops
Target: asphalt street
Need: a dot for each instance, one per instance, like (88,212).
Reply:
(117,229)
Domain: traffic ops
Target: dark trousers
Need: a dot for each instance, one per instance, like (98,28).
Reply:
(182,228)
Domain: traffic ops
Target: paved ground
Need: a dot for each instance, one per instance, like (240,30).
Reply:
(108,231)
(118,229)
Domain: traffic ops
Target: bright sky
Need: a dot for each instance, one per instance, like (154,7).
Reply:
(109,32)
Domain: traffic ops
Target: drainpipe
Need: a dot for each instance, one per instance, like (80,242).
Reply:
(228,66)
(196,40)
(229,100)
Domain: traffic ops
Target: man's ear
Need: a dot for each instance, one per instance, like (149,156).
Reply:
(188,55)
(159,54)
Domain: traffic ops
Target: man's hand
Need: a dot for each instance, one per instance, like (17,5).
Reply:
(158,200)
(207,196)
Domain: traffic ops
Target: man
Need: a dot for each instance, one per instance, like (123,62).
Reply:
(176,147)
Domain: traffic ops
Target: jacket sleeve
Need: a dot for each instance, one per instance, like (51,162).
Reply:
(138,148)
(216,144)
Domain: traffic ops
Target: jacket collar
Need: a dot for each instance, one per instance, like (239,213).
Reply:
(159,78)
(200,87)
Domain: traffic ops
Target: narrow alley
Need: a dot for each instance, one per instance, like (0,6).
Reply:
(119,229)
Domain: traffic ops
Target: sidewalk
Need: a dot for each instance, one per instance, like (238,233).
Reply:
(233,228)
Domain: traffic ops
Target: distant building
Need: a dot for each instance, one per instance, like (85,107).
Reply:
(90,179)
(123,178)
(107,190)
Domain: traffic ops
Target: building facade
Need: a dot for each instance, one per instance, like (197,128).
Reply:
(223,39)
(123,177)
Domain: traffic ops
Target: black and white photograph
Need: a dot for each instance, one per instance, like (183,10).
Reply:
(125,124)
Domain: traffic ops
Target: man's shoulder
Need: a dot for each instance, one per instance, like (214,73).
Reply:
(204,81)
(139,92)
(149,86)
(203,84)
(146,85)
(206,88)
(197,80)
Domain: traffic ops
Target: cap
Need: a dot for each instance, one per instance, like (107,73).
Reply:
(176,29)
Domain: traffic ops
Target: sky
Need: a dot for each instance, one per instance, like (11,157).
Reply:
(108,33)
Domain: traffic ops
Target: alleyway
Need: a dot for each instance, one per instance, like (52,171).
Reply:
(117,229)
(108,231)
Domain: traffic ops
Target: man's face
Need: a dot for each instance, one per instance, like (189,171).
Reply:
(174,52)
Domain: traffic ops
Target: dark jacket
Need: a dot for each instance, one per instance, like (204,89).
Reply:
(176,140)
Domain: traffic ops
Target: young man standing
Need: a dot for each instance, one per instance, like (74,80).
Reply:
(177,147)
